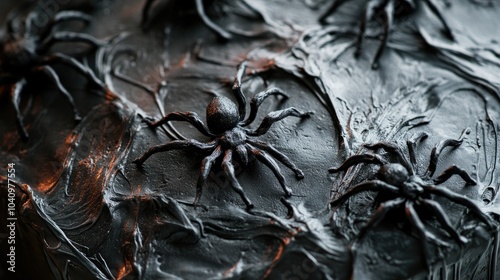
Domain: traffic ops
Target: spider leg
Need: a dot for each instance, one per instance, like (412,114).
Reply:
(394,149)
(206,166)
(269,161)
(387,15)
(190,117)
(424,234)
(357,159)
(15,97)
(435,10)
(75,64)
(443,219)
(55,78)
(258,99)
(241,150)
(145,12)
(378,216)
(222,34)
(238,93)
(70,15)
(374,185)
(279,156)
(331,9)
(411,3)
(454,170)
(368,13)
(253,9)
(412,144)
(175,145)
(64,36)
(228,168)
(462,200)
(275,116)
(59,18)
(436,151)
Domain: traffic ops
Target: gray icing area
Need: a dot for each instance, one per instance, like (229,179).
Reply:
(85,210)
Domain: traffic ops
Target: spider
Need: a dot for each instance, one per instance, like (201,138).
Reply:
(385,10)
(24,52)
(221,34)
(227,128)
(405,189)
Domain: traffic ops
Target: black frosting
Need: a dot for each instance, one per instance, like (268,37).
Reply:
(85,210)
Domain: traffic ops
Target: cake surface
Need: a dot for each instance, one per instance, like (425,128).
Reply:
(84,209)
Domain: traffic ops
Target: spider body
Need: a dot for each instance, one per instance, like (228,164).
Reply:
(227,127)
(222,115)
(233,138)
(384,11)
(24,53)
(394,173)
(401,187)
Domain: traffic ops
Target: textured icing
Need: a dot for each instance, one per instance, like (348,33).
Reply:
(85,210)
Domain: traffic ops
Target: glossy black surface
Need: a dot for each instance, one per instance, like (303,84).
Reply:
(87,211)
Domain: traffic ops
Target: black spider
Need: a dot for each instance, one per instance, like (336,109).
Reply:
(200,9)
(23,52)
(226,126)
(404,188)
(384,12)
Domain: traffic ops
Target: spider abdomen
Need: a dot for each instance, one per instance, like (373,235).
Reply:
(394,173)
(222,115)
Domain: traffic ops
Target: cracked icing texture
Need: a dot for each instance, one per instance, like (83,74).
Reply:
(86,210)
